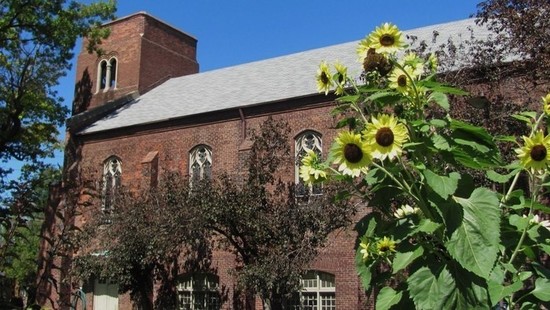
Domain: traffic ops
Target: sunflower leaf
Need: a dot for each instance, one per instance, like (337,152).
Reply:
(442,185)
(402,260)
(438,87)
(542,289)
(501,178)
(441,99)
(387,297)
(475,241)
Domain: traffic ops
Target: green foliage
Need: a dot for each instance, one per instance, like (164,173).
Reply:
(256,215)
(36,42)
(20,228)
(436,239)
(274,233)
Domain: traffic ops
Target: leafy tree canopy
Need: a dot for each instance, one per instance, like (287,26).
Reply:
(36,42)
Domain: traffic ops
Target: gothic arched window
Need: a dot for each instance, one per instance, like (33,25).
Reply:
(307,140)
(200,163)
(112,173)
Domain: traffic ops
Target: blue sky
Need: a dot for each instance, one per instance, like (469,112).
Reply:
(240,31)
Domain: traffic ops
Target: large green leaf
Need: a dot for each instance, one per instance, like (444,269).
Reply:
(472,133)
(402,260)
(440,143)
(441,99)
(474,243)
(497,291)
(442,185)
(387,297)
(431,288)
(364,270)
(542,289)
(502,178)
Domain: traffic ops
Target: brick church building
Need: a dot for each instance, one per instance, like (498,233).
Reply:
(143,107)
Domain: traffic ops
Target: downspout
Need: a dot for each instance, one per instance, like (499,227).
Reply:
(243,124)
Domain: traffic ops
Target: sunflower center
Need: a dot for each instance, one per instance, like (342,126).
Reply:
(353,153)
(324,78)
(538,152)
(402,80)
(384,136)
(387,40)
(384,247)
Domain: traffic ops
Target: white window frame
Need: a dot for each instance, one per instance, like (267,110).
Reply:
(201,155)
(194,284)
(324,286)
(112,179)
(306,140)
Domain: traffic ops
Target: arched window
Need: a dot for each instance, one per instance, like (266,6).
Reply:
(200,163)
(107,74)
(112,76)
(112,172)
(102,75)
(318,292)
(308,140)
(198,291)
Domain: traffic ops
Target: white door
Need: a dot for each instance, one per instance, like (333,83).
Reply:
(105,295)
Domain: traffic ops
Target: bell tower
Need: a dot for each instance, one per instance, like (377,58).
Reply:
(140,53)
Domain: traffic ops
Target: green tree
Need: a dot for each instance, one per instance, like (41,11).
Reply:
(141,240)
(20,233)
(36,42)
(274,234)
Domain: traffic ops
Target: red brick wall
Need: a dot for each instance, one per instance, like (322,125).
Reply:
(141,45)
(225,138)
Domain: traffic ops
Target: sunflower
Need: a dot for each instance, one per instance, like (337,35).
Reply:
(364,249)
(324,80)
(385,136)
(405,210)
(312,170)
(546,104)
(385,246)
(534,154)
(375,62)
(413,61)
(432,63)
(386,39)
(400,79)
(351,153)
(362,49)
(340,77)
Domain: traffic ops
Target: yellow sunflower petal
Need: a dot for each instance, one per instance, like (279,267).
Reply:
(386,39)
(534,155)
(351,154)
(385,137)
(546,104)
(324,78)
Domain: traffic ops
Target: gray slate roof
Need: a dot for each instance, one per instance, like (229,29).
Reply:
(254,83)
